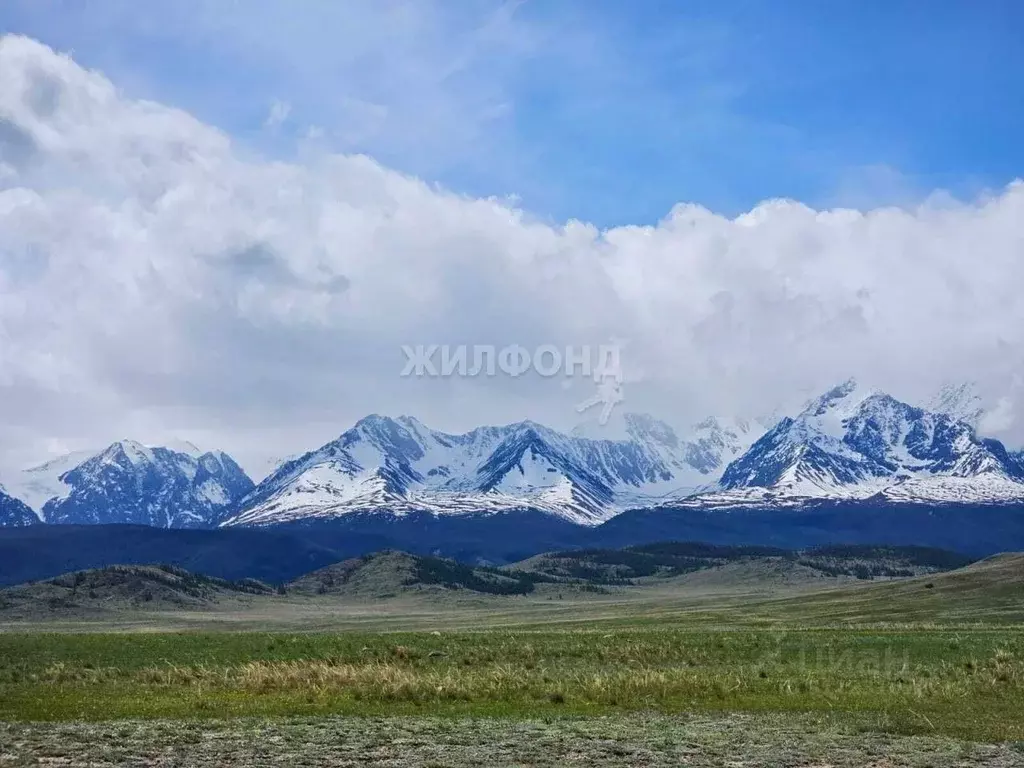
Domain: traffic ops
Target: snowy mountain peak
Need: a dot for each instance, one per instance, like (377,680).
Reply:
(134,453)
(128,482)
(533,429)
(856,443)
(840,401)
(387,434)
(717,440)
(138,454)
(961,401)
(644,428)
(373,421)
(414,425)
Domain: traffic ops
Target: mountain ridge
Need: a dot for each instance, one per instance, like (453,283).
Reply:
(400,465)
(850,443)
(856,443)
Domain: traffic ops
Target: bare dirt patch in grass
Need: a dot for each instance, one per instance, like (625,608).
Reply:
(635,740)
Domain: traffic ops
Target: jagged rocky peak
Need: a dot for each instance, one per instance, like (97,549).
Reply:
(126,451)
(725,433)
(717,440)
(839,402)
(388,434)
(644,428)
(528,427)
(218,473)
(858,442)
(128,482)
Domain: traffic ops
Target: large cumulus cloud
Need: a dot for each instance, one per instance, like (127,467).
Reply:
(158,279)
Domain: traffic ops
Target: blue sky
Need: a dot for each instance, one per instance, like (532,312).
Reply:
(151,270)
(601,110)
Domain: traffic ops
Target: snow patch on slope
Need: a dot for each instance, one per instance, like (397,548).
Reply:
(37,485)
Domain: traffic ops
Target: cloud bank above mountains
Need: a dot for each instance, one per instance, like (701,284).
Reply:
(159,279)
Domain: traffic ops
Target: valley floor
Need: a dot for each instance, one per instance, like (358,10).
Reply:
(701,670)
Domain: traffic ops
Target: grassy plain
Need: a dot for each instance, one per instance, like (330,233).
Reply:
(958,682)
(926,671)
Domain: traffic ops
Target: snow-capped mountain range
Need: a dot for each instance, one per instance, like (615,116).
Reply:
(852,443)
(847,444)
(401,466)
(131,483)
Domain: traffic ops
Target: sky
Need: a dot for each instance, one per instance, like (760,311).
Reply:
(222,221)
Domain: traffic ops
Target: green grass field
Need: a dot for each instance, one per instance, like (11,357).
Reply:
(931,669)
(654,695)
(963,683)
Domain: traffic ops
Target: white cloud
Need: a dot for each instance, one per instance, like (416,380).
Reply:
(998,418)
(155,280)
(422,81)
(279,112)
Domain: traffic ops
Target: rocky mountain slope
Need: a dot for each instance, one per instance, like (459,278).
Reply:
(15,513)
(131,483)
(853,443)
